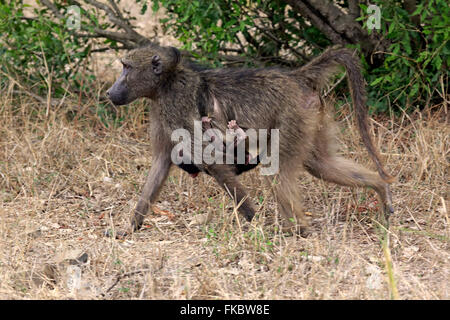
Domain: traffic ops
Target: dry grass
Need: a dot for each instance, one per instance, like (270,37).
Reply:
(64,182)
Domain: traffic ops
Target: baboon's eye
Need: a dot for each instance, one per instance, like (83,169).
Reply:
(125,65)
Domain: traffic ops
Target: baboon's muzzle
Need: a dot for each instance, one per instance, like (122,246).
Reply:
(118,93)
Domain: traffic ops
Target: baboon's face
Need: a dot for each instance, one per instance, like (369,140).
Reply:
(144,71)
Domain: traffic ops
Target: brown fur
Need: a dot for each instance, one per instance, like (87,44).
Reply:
(288,100)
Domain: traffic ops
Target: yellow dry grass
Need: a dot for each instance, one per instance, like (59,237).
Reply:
(63,182)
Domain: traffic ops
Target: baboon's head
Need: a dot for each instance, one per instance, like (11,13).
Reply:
(144,71)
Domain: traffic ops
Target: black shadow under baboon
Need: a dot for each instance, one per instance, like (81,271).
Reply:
(266,98)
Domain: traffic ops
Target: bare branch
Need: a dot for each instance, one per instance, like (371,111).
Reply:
(129,37)
(116,9)
(339,27)
(410,6)
(124,275)
(119,21)
(308,12)
(353,8)
(285,43)
(53,8)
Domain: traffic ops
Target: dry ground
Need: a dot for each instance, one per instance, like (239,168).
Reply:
(63,182)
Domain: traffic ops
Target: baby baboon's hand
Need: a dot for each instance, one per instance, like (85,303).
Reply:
(239,133)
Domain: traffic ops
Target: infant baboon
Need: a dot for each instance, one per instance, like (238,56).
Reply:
(265,98)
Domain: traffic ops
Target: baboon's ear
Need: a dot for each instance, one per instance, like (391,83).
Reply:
(177,56)
(170,60)
(157,64)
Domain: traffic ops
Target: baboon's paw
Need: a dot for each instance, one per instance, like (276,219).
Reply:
(389,209)
(119,235)
(248,215)
(302,231)
(301,226)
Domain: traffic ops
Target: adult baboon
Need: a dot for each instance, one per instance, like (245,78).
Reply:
(264,98)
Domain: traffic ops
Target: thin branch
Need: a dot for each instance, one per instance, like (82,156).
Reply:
(53,102)
(353,8)
(285,43)
(335,85)
(104,49)
(231,50)
(116,9)
(114,18)
(53,8)
(305,10)
(129,38)
(121,276)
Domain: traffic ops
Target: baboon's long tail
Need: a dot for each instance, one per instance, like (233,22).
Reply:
(319,71)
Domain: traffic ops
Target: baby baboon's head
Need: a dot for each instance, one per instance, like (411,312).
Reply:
(144,71)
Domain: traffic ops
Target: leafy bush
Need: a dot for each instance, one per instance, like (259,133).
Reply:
(418,58)
(411,49)
(246,32)
(36,48)
(270,32)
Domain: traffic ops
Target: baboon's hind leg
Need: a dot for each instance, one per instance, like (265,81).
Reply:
(289,198)
(227,179)
(346,172)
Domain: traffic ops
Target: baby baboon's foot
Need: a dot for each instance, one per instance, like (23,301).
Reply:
(206,125)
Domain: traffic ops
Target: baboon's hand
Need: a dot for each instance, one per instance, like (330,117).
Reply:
(249,214)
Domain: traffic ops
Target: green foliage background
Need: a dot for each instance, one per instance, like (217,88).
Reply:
(35,49)
(224,32)
(416,62)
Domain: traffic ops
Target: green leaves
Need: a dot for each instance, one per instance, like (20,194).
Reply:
(38,47)
(239,32)
(253,30)
(417,58)
(376,81)
(266,32)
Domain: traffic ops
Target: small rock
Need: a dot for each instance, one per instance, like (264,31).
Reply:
(410,251)
(374,280)
(73,281)
(35,234)
(48,275)
(200,219)
(313,258)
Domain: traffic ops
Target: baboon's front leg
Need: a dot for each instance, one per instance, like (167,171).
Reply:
(157,176)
